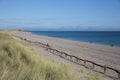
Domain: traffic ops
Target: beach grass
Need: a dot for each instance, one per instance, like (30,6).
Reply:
(18,62)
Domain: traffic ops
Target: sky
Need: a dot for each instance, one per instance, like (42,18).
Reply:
(60,14)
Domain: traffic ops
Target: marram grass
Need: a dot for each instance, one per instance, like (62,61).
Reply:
(17,62)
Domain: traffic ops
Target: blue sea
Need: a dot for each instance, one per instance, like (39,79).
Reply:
(100,37)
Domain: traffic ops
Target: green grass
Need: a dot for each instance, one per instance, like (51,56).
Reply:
(18,62)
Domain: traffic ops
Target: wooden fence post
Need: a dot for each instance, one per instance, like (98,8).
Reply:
(104,69)
(77,60)
(84,62)
(93,66)
(70,58)
(60,54)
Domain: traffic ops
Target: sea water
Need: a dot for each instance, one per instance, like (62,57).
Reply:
(111,38)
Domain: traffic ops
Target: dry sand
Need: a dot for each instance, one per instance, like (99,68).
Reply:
(101,54)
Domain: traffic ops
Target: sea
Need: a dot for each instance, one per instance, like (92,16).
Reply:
(111,38)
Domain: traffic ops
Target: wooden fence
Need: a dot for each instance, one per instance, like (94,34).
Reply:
(111,72)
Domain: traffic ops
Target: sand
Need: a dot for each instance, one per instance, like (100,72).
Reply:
(101,54)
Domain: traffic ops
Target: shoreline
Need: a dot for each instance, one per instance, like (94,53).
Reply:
(103,54)
(92,42)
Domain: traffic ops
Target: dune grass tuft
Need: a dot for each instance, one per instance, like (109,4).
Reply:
(17,62)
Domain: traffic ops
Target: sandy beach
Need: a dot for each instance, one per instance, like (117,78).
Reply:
(101,54)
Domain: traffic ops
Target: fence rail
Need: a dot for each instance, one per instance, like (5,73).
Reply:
(86,63)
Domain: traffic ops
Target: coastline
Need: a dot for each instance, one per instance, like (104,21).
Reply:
(102,54)
(90,42)
(87,37)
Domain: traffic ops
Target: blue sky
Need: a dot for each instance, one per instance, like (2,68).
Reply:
(60,14)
